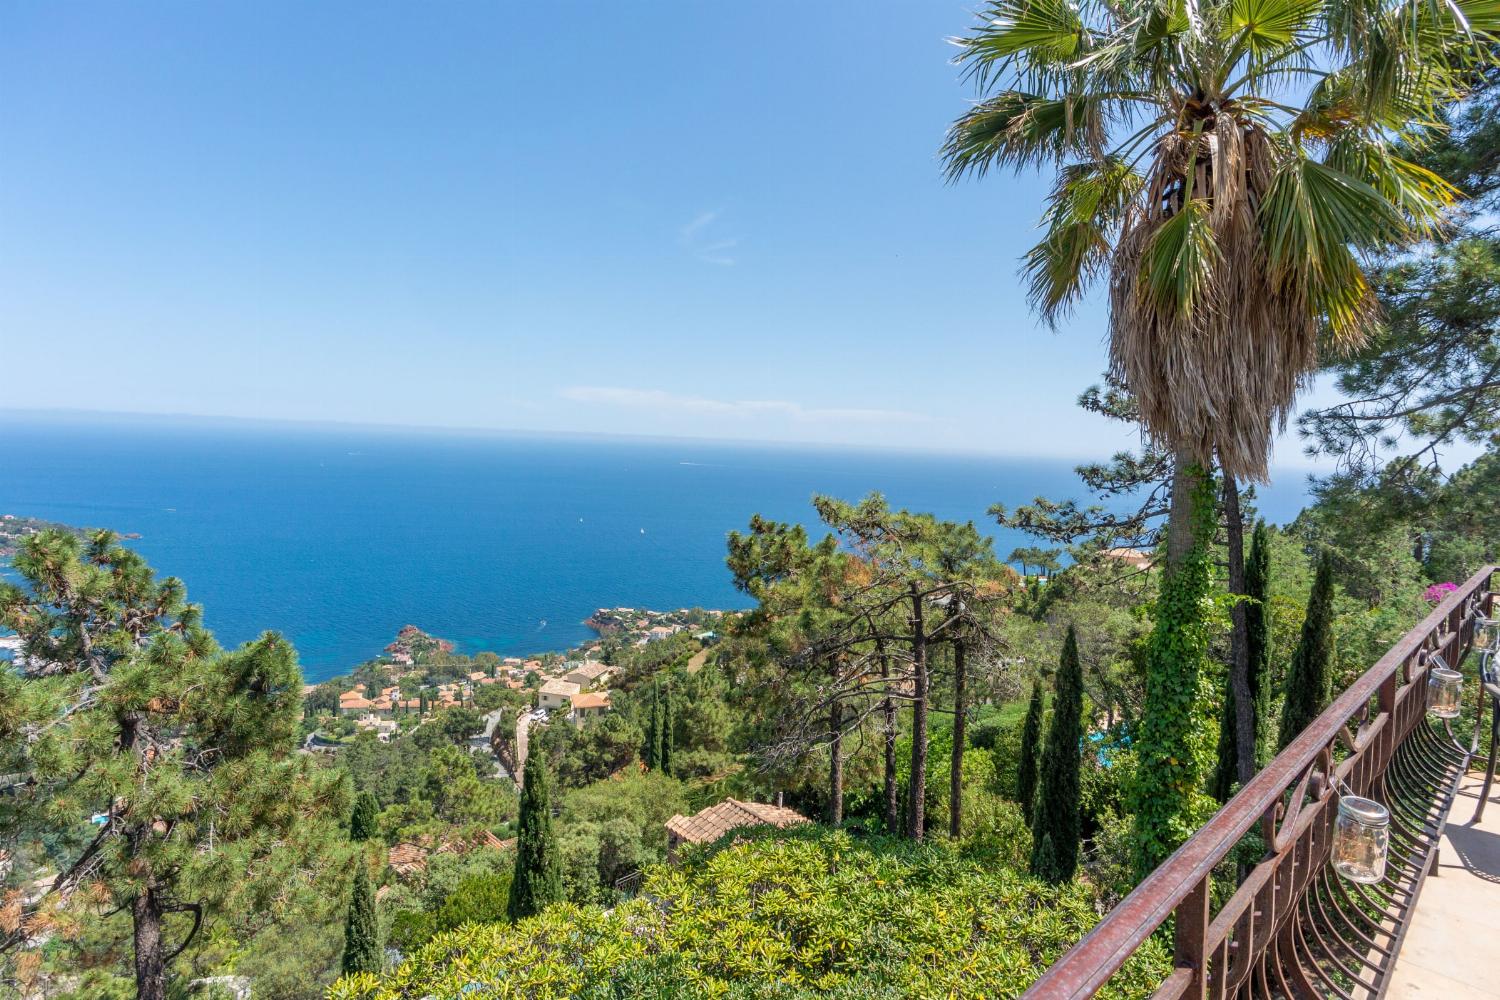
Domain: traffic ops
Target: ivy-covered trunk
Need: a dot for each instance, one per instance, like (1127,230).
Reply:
(1174,750)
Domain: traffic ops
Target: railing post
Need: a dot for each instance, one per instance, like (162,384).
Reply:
(1192,938)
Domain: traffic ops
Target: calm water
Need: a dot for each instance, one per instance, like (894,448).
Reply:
(337,538)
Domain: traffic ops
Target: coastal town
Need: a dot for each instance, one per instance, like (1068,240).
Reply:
(419,675)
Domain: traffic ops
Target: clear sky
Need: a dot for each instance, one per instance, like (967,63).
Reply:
(697,218)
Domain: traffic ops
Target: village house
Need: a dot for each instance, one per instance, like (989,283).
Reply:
(353,701)
(383,729)
(589,673)
(556,693)
(588,705)
(659,632)
(712,823)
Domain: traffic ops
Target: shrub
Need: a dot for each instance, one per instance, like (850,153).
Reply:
(795,914)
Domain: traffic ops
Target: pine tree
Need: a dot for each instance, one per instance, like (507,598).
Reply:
(362,951)
(651,753)
(538,878)
(665,749)
(1031,738)
(362,821)
(1055,828)
(141,716)
(1307,678)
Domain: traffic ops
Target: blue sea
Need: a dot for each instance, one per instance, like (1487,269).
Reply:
(338,536)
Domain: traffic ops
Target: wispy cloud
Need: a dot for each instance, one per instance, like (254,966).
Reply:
(697,239)
(659,400)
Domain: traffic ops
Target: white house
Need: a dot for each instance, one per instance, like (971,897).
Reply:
(556,693)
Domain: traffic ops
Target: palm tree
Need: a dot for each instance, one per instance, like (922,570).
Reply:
(1223,163)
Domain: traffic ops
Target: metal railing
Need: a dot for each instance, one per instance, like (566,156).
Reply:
(1292,928)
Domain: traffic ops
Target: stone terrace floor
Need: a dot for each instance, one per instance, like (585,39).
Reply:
(1452,949)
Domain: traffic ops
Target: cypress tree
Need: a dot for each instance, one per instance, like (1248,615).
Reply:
(361,930)
(651,753)
(538,878)
(362,819)
(1258,638)
(1307,678)
(1031,738)
(1055,832)
(1226,753)
(664,752)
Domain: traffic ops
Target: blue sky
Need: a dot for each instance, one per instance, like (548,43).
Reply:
(702,219)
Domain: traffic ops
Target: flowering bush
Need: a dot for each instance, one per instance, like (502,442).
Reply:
(1435,593)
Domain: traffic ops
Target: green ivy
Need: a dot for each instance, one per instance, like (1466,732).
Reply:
(1176,743)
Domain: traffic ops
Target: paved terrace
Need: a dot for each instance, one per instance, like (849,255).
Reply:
(1453,944)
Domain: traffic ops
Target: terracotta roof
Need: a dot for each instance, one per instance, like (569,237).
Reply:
(481,839)
(408,858)
(1138,558)
(591,700)
(717,820)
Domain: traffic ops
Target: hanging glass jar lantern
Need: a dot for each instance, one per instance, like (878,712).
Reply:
(1444,691)
(1361,839)
(1485,630)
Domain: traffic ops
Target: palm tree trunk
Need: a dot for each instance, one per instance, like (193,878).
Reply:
(917,787)
(956,769)
(1185,472)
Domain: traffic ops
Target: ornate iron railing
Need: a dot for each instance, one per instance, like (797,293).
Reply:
(1293,928)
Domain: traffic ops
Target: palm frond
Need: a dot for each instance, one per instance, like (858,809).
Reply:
(1313,210)
(1420,196)
(1180,262)
(1271,26)
(1019,129)
(1023,35)
(1083,213)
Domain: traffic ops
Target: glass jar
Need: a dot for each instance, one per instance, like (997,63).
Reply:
(1361,839)
(1484,633)
(1444,692)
